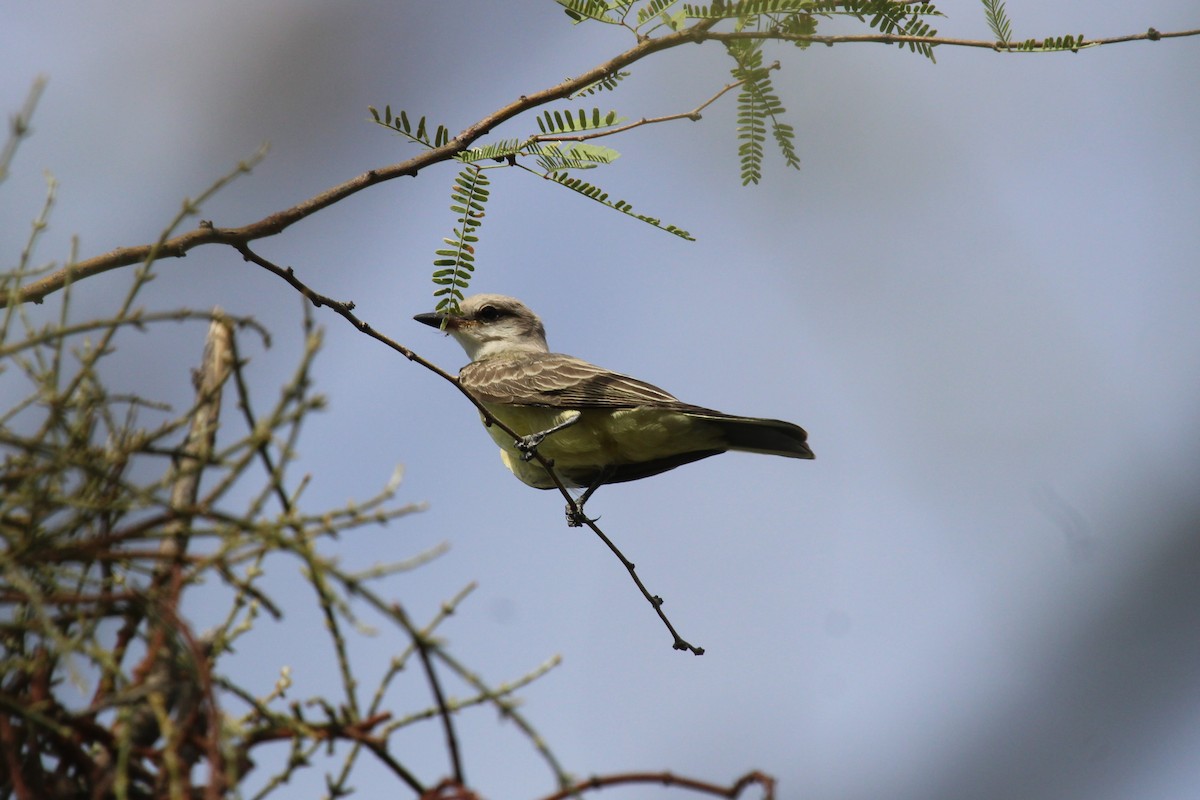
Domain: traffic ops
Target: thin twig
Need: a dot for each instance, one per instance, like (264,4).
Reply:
(19,125)
(439,697)
(693,115)
(670,780)
(654,600)
(1014,46)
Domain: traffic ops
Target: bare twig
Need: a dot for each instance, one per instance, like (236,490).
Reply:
(19,125)
(668,779)
(654,600)
(439,697)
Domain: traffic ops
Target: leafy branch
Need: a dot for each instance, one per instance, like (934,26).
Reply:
(702,30)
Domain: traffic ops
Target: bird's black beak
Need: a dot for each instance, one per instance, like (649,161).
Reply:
(433,319)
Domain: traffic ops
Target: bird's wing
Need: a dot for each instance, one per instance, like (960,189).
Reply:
(559,381)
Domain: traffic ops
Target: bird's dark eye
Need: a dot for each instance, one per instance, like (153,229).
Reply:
(488,314)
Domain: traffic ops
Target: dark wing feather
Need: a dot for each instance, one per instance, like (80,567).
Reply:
(558,381)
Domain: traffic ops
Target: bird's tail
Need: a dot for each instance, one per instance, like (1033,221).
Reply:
(753,435)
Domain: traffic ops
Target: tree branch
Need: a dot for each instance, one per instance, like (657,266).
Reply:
(178,246)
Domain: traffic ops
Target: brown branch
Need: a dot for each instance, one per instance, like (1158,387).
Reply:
(670,780)
(178,246)
(359,732)
(106,599)
(12,760)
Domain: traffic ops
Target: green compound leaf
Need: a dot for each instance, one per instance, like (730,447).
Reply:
(456,261)
(997,19)
(551,122)
(597,10)
(606,84)
(600,196)
(401,125)
(758,103)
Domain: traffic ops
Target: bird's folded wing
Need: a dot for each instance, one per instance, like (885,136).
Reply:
(559,381)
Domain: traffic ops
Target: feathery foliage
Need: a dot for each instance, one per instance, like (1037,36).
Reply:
(652,10)
(606,84)
(757,102)
(997,19)
(456,261)
(889,17)
(612,13)
(560,147)
(499,150)
(566,122)
(561,156)
(746,8)
(1052,44)
(600,196)
(400,124)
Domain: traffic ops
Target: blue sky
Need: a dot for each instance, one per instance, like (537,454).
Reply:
(979,295)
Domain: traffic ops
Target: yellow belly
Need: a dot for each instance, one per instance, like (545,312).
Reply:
(599,439)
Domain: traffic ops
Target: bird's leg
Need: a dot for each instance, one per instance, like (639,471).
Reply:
(528,444)
(575,516)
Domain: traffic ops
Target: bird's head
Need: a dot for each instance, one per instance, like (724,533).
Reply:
(489,325)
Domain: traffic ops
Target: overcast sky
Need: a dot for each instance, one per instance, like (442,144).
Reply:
(980,295)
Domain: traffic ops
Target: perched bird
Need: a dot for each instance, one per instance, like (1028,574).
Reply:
(596,426)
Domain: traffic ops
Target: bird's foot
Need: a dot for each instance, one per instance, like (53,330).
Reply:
(575,516)
(528,445)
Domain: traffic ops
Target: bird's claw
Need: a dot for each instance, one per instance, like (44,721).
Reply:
(576,518)
(527,445)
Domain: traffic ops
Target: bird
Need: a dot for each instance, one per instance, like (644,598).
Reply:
(595,426)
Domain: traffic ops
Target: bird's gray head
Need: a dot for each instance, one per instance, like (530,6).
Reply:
(490,325)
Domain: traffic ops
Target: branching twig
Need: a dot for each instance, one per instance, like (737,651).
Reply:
(693,115)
